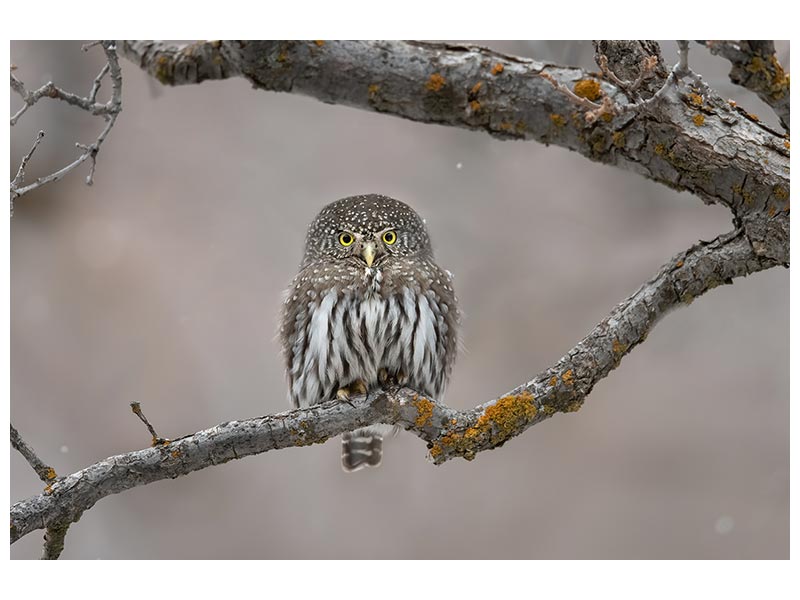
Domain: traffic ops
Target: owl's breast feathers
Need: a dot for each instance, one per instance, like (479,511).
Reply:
(342,324)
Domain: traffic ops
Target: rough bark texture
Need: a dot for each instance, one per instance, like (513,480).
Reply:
(688,138)
(755,66)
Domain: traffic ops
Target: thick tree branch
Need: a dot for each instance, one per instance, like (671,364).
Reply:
(449,432)
(689,139)
(755,66)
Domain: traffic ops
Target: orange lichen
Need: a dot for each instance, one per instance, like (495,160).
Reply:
(695,99)
(424,411)
(781,193)
(497,69)
(48,489)
(618,347)
(771,211)
(50,473)
(498,422)
(786,144)
(505,125)
(698,119)
(558,120)
(553,381)
(567,377)
(587,88)
(679,264)
(732,103)
(475,106)
(319,43)
(175,453)
(435,82)
(753,117)
(476,88)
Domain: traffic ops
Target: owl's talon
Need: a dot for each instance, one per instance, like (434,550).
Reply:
(354,389)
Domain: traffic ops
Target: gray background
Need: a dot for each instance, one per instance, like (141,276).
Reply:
(162,284)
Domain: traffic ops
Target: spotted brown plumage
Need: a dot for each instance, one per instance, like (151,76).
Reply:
(369,305)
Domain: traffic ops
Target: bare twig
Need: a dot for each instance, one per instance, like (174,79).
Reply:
(136,407)
(682,68)
(45,472)
(109,111)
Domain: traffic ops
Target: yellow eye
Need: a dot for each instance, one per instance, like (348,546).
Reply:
(390,237)
(346,239)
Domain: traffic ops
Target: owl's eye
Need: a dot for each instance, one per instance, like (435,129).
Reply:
(390,237)
(346,239)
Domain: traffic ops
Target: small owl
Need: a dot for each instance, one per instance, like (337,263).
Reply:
(369,307)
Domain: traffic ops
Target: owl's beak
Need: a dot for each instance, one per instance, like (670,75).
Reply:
(368,253)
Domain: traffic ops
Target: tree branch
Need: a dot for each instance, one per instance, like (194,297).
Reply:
(689,138)
(109,111)
(449,432)
(755,66)
(54,534)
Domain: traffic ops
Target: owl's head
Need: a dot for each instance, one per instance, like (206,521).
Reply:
(367,230)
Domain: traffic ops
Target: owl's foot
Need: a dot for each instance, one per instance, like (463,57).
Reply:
(398,379)
(354,389)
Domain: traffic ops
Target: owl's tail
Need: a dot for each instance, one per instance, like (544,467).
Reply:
(361,448)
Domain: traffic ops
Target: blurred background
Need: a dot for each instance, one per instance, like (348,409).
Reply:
(162,284)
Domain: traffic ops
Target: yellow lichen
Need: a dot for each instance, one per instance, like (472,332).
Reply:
(567,377)
(558,120)
(698,119)
(50,473)
(573,406)
(660,149)
(771,211)
(497,69)
(435,82)
(619,139)
(695,99)
(175,453)
(587,88)
(549,410)
(498,422)
(505,125)
(520,126)
(48,489)
(618,347)
(424,411)
(781,193)
(282,56)
(553,381)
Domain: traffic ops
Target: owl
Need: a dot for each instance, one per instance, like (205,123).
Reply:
(369,307)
